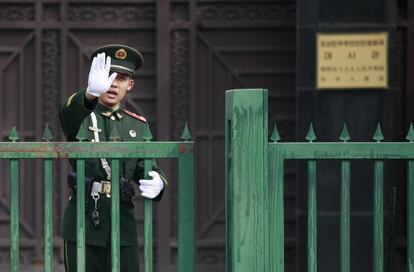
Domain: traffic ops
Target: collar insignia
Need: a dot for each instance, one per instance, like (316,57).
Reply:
(106,113)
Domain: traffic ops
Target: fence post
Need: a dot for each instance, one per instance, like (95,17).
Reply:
(247,217)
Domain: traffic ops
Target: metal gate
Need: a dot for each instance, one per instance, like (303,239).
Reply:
(193,50)
(14,152)
(255,186)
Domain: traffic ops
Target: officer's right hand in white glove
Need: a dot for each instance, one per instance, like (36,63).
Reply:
(99,80)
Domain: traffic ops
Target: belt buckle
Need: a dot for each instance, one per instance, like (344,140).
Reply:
(106,188)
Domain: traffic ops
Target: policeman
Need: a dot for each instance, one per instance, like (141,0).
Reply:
(98,108)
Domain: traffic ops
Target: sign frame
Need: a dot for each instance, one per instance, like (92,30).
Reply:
(352,60)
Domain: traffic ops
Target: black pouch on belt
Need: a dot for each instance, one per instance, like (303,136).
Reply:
(127,190)
(72,182)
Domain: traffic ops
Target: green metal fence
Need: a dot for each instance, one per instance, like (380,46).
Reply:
(255,208)
(47,151)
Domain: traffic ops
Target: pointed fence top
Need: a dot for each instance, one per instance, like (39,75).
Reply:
(186,135)
(378,136)
(14,135)
(410,134)
(114,134)
(310,136)
(47,133)
(344,134)
(147,134)
(275,134)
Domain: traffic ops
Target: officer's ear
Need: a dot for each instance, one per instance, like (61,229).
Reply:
(130,84)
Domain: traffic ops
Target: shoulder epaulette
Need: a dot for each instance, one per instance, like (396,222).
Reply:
(136,116)
(69,101)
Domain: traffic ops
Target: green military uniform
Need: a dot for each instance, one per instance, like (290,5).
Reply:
(75,113)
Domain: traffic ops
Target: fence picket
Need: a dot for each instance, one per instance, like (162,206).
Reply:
(14,215)
(48,223)
(148,228)
(410,216)
(378,217)
(186,204)
(276,208)
(115,219)
(312,218)
(80,214)
(345,216)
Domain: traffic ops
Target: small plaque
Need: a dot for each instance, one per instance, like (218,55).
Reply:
(346,61)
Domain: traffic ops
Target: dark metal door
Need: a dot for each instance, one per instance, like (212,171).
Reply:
(238,44)
(193,50)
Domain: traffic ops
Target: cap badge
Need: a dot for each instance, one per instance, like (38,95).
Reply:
(132,133)
(121,54)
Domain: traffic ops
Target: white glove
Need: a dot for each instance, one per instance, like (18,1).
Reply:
(151,188)
(98,81)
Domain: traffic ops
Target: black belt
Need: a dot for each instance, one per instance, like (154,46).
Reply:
(127,192)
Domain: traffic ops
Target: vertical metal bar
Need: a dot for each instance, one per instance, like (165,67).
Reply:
(80,214)
(186,234)
(378,217)
(163,66)
(148,243)
(345,217)
(48,223)
(163,57)
(39,60)
(312,218)
(276,208)
(63,82)
(410,217)
(229,188)
(409,101)
(14,215)
(247,180)
(193,60)
(115,221)
(210,100)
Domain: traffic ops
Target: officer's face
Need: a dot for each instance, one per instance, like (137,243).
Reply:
(113,97)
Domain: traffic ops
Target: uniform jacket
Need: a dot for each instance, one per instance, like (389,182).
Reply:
(73,113)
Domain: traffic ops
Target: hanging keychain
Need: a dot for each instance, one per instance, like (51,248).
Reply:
(95,214)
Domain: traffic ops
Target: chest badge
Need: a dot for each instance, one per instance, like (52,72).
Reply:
(132,133)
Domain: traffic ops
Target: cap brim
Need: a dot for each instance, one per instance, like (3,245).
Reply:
(120,69)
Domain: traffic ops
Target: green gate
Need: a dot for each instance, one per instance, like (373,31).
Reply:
(147,150)
(254,198)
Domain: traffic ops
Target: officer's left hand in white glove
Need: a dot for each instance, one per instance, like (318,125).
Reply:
(151,188)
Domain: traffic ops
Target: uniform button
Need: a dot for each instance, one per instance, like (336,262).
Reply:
(113,118)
